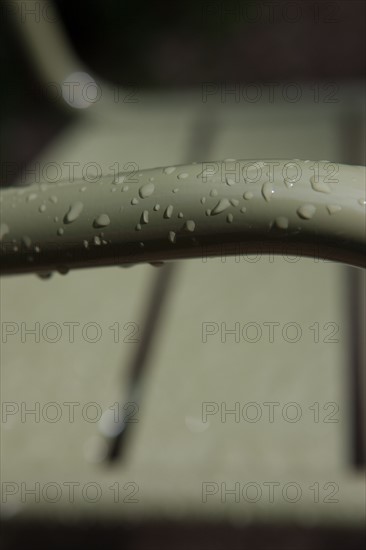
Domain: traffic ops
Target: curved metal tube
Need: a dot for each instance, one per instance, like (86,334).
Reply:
(308,208)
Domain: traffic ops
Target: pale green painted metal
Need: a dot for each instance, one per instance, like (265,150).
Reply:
(293,207)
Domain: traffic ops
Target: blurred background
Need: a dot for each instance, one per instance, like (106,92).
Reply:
(248,426)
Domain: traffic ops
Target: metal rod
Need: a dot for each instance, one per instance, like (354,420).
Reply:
(186,211)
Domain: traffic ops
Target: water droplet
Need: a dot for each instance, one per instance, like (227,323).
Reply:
(37,249)
(4,229)
(319,184)
(151,179)
(32,197)
(15,248)
(234,202)
(230,181)
(168,211)
(125,188)
(248,195)
(27,241)
(172,236)
(74,212)
(362,202)
(102,221)
(333,208)
(281,222)
(60,231)
(243,210)
(189,225)
(141,244)
(267,191)
(63,270)
(45,275)
(306,211)
(157,207)
(229,218)
(113,190)
(203,200)
(208,212)
(145,216)
(169,170)
(42,208)
(86,244)
(119,179)
(55,219)
(180,215)
(138,227)
(175,190)
(134,201)
(146,190)
(84,188)
(53,199)
(97,240)
(222,205)
(213,193)
(183,176)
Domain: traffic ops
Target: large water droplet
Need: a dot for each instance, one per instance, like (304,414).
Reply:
(306,211)
(102,221)
(146,190)
(281,222)
(319,184)
(222,205)
(267,191)
(172,236)
(169,170)
(333,208)
(168,211)
(145,216)
(189,225)
(74,212)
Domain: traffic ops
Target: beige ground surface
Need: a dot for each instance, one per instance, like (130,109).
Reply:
(173,452)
